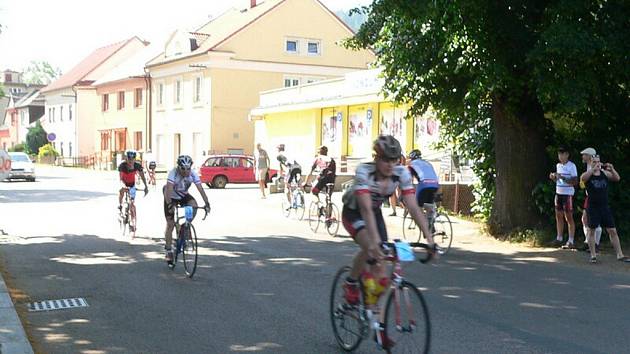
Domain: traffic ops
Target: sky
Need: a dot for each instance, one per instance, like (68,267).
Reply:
(63,32)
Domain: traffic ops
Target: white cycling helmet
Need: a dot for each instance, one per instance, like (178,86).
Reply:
(185,162)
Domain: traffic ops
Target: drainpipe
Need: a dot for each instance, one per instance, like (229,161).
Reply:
(149,110)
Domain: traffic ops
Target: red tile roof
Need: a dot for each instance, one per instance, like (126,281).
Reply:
(86,66)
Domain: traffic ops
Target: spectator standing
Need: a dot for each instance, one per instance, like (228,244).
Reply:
(598,211)
(565,177)
(262,166)
(587,158)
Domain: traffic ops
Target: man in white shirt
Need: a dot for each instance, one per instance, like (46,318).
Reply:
(566,178)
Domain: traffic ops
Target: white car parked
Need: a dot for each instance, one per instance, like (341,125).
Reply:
(21,167)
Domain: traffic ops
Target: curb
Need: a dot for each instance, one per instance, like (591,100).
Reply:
(13,338)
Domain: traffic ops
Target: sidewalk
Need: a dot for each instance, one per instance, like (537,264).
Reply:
(12,336)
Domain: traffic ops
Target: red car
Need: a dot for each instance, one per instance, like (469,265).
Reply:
(219,170)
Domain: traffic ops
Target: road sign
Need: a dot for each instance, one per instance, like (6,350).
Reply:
(51,137)
(5,165)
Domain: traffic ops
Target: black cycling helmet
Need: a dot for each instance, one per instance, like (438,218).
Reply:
(323,150)
(130,154)
(387,147)
(280,147)
(415,154)
(185,162)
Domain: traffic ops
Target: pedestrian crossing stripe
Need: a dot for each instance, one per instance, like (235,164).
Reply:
(61,304)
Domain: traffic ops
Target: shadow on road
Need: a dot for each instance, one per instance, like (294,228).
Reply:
(48,195)
(270,295)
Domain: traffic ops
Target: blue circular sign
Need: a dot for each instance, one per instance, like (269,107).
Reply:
(51,136)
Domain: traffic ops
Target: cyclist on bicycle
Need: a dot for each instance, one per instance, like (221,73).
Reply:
(327,170)
(428,181)
(176,194)
(362,217)
(127,174)
(290,168)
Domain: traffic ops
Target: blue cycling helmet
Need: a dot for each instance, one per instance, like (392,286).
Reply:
(130,154)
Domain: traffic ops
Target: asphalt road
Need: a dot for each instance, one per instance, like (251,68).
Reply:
(263,281)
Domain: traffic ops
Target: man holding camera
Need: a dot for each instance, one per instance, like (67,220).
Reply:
(565,177)
(598,211)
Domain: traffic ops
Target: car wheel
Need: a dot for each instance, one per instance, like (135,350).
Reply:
(219,181)
(31,179)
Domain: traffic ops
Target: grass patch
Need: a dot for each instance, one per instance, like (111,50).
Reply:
(530,237)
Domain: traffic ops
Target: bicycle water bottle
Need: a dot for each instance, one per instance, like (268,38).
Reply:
(132,192)
(369,283)
(188,213)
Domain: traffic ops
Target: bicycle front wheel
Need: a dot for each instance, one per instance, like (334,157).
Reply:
(348,322)
(332,221)
(443,235)
(286,206)
(313,216)
(411,231)
(189,249)
(407,323)
(301,207)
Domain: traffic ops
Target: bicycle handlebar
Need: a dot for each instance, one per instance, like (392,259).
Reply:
(393,257)
(194,208)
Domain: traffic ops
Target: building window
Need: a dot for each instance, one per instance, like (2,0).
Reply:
(53,114)
(313,48)
(69,113)
(105,102)
(70,149)
(137,98)
(292,46)
(7,77)
(197,89)
(61,113)
(137,140)
(121,100)
(23,118)
(61,149)
(49,115)
(104,141)
(160,94)
(178,91)
(291,81)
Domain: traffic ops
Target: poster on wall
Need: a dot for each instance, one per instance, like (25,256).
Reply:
(426,135)
(359,133)
(393,123)
(332,128)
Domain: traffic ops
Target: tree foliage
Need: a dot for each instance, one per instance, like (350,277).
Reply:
(36,138)
(556,71)
(40,73)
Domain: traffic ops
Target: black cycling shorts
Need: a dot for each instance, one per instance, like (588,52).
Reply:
(353,222)
(426,196)
(292,175)
(322,182)
(186,200)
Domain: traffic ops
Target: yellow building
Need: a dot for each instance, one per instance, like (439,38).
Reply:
(206,82)
(345,114)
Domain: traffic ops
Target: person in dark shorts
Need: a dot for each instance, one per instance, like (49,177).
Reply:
(598,211)
(327,170)
(428,181)
(566,178)
(127,171)
(289,168)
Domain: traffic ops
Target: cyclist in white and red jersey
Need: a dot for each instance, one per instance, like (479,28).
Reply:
(176,194)
(374,182)
(327,170)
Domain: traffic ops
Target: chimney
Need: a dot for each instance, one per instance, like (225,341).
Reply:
(252,4)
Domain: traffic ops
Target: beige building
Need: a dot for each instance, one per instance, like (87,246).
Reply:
(206,82)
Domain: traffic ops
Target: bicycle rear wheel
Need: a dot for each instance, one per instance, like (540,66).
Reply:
(189,249)
(348,322)
(407,323)
(443,235)
(411,231)
(313,216)
(332,222)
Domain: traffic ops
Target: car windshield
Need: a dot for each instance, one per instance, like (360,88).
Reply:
(19,158)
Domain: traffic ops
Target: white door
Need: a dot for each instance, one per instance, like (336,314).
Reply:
(160,153)
(196,148)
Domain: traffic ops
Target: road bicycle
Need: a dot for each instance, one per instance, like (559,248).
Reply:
(127,213)
(325,212)
(297,203)
(440,226)
(186,239)
(404,326)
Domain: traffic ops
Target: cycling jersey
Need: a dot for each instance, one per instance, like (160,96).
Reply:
(424,172)
(324,165)
(288,162)
(181,183)
(128,173)
(365,182)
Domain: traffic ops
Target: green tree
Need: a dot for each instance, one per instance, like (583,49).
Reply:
(503,76)
(40,73)
(36,138)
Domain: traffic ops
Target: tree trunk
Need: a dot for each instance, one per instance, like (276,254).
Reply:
(521,163)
